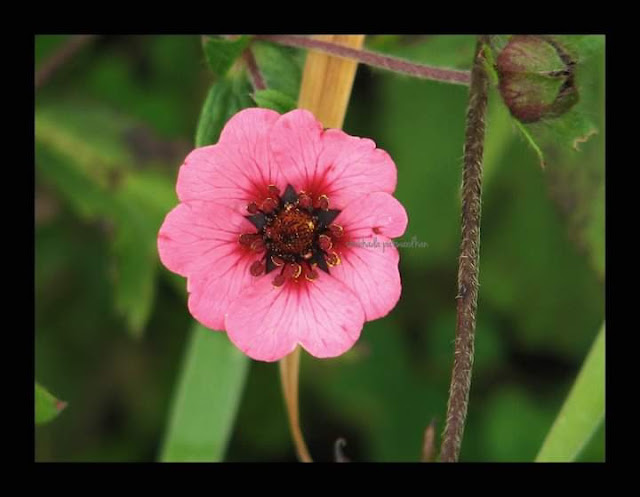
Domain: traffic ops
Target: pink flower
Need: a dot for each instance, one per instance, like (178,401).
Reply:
(284,234)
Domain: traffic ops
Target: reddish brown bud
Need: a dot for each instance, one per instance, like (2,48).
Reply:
(536,78)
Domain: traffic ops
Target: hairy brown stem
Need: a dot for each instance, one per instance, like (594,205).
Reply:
(59,58)
(467,297)
(372,59)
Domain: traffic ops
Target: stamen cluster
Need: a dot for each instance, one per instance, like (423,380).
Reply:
(294,233)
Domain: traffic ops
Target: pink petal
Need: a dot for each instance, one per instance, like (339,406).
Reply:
(238,168)
(369,259)
(213,290)
(370,268)
(352,167)
(295,141)
(332,162)
(374,214)
(267,323)
(199,240)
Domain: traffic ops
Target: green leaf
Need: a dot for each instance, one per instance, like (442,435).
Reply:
(583,410)
(88,137)
(206,400)
(570,130)
(594,231)
(85,195)
(144,199)
(81,150)
(214,112)
(594,451)
(225,98)
(47,407)
(582,46)
(135,252)
(153,191)
(221,53)
(281,67)
(530,141)
(275,100)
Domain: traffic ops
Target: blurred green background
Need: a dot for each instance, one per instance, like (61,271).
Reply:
(112,127)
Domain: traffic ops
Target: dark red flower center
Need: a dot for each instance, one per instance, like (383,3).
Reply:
(295,235)
(292,231)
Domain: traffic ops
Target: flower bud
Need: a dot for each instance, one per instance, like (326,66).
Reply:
(536,78)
